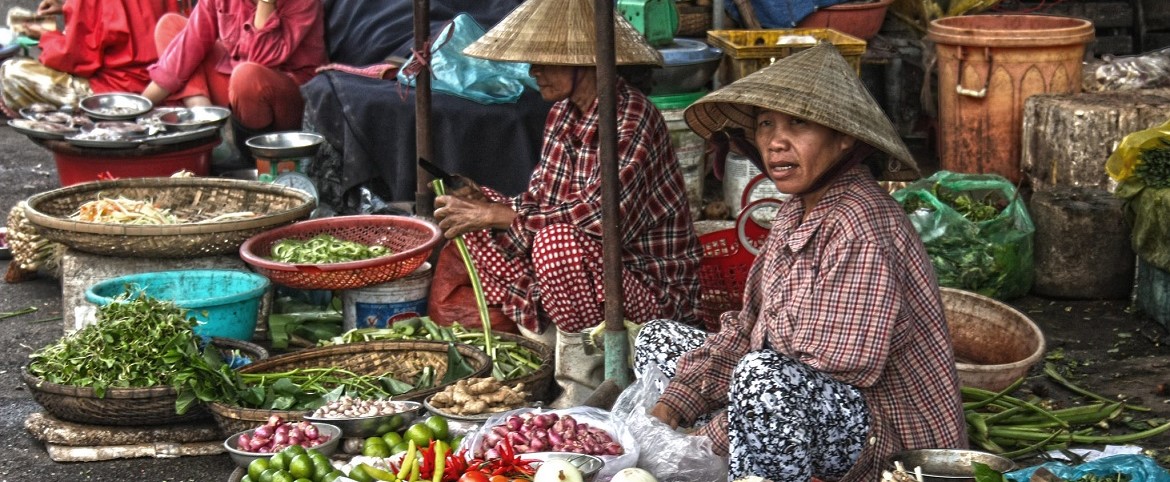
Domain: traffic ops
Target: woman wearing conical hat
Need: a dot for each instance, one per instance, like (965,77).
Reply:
(539,254)
(840,356)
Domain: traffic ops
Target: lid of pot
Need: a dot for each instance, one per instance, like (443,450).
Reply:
(685,51)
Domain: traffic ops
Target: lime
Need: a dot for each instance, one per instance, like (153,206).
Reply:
(332,476)
(438,426)
(401,447)
(392,439)
(420,434)
(456,442)
(292,450)
(303,480)
(301,466)
(375,447)
(247,478)
(279,461)
(321,465)
(257,467)
(358,473)
(266,476)
(282,476)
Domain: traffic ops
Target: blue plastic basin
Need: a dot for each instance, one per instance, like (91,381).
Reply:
(225,302)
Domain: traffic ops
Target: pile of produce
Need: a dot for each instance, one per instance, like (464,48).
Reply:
(509,359)
(324,249)
(474,396)
(122,210)
(293,463)
(1153,165)
(278,434)
(422,433)
(547,432)
(30,251)
(351,407)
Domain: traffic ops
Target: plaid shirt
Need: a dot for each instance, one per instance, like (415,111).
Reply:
(658,237)
(848,291)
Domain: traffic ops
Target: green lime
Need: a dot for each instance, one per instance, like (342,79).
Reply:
(292,450)
(401,447)
(321,465)
(332,476)
(279,461)
(257,467)
(282,476)
(247,478)
(375,447)
(266,476)
(358,473)
(392,439)
(300,466)
(303,480)
(420,434)
(438,426)
(456,442)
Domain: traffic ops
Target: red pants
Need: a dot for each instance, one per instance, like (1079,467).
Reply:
(260,98)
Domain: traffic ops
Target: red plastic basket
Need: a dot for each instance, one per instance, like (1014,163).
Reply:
(727,257)
(411,240)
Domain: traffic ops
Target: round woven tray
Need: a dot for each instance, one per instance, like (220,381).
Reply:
(123,406)
(539,382)
(192,199)
(366,358)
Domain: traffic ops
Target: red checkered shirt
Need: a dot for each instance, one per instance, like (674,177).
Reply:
(848,291)
(658,237)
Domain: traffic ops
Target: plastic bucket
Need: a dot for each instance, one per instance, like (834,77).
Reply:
(225,302)
(988,65)
(380,305)
(688,146)
(77,165)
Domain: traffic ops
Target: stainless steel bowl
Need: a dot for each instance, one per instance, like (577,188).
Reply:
(195,118)
(377,425)
(588,464)
(689,66)
(948,465)
(285,145)
(118,106)
(242,458)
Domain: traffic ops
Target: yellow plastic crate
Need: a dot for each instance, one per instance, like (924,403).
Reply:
(746,51)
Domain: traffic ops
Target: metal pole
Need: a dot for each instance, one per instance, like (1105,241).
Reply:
(616,346)
(424,200)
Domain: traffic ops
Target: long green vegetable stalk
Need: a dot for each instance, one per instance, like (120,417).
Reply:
(476,287)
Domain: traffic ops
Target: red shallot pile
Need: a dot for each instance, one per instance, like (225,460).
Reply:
(548,432)
(277,434)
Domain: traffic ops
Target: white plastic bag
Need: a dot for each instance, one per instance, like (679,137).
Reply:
(594,417)
(670,455)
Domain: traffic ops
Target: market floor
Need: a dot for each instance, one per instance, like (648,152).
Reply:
(1112,351)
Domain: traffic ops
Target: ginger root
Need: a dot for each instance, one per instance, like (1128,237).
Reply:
(479,396)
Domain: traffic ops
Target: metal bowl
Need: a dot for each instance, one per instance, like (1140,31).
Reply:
(5,249)
(588,464)
(118,106)
(195,118)
(242,458)
(948,465)
(285,145)
(374,426)
(689,66)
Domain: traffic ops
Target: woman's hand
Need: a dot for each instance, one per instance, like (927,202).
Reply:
(667,415)
(49,7)
(458,215)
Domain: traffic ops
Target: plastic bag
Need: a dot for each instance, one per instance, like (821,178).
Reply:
(479,80)
(991,255)
(1136,467)
(594,417)
(1148,70)
(1124,158)
(669,455)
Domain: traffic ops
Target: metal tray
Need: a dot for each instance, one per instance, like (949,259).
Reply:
(38,134)
(181,136)
(101,144)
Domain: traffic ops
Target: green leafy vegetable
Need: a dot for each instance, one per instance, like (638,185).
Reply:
(1153,165)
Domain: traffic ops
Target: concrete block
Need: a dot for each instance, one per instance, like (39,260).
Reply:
(80,270)
(1082,248)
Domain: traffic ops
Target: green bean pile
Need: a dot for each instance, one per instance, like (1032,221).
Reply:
(323,249)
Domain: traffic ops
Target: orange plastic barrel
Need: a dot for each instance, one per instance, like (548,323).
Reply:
(987,66)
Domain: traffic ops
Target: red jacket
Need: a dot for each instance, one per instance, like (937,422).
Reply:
(109,42)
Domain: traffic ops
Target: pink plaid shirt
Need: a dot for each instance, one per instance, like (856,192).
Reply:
(848,291)
(658,237)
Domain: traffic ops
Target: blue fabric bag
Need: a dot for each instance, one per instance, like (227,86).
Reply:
(479,80)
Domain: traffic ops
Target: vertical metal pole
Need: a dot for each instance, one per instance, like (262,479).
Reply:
(616,346)
(424,200)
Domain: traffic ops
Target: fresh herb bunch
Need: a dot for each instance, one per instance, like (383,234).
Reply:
(1154,165)
(975,210)
(136,342)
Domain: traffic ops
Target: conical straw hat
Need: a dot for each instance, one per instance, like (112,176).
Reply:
(559,32)
(817,85)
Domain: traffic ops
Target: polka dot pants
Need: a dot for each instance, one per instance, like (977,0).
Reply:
(561,281)
(786,421)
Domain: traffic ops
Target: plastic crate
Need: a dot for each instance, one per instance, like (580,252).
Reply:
(747,51)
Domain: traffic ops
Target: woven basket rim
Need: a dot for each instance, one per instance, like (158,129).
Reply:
(43,220)
(249,255)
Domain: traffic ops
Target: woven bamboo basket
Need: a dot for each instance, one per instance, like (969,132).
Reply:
(124,406)
(365,358)
(539,382)
(192,199)
(693,20)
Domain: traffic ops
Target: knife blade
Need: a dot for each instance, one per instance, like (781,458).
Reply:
(451,181)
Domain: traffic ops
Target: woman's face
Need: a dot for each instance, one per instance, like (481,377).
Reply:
(797,152)
(555,81)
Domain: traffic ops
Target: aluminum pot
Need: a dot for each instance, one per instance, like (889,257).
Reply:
(947,465)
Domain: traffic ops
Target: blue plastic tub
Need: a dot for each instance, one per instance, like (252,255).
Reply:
(226,303)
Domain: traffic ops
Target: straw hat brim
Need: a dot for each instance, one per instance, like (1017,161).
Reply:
(817,85)
(559,32)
